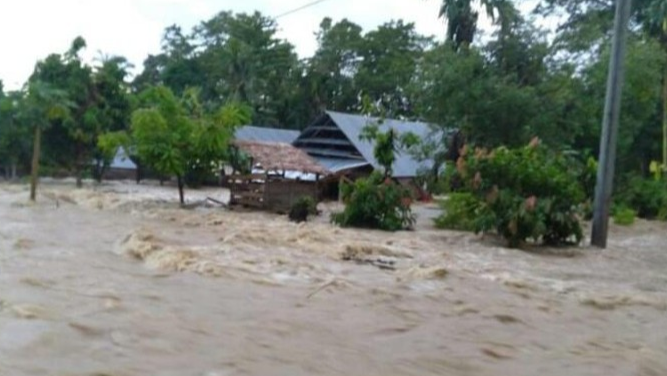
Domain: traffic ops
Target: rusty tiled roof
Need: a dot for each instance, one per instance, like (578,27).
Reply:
(276,156)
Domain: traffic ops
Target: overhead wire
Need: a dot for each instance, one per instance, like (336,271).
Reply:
(305,6)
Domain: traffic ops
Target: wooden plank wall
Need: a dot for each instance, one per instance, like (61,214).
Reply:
(280,195)
(247,190)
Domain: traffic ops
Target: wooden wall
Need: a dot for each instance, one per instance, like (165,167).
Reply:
(280,195)
(273,194)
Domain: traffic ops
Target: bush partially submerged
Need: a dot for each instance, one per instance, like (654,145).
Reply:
(624,216)
(522,194)
(302,208)
(377,203)
(647,197)
(460,212)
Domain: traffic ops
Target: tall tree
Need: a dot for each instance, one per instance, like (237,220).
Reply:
(42,107)
(462,17)
(389,59)
(245,61)
(176,137)
(70,143)
(113,105)
(14,137)
(331,71)
(587,31)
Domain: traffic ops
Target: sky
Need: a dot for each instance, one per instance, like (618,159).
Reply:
(33,29)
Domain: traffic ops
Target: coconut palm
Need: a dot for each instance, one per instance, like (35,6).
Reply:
(462,16)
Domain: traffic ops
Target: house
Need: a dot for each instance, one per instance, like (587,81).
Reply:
(280,175)
(333,144)
(333,140)
(121,167)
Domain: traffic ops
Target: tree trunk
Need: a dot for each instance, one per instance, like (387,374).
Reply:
(35,163)
(79,177)
(179,178)
(13,170)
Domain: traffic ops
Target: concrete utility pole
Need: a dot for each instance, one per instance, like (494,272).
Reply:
(612,110)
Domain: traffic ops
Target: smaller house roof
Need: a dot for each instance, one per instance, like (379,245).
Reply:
(122,160)
(277,156)
(261,134)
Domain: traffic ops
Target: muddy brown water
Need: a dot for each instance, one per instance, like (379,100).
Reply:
(116,280)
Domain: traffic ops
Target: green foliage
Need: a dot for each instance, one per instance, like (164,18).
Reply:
(176,137)
(387,144)
(648,197)
(462,16)
(389,60)
(302,208)
(110,142)
(14,136)
(161,132)
(527,193)
(624,216)
(460,211)
(377,203)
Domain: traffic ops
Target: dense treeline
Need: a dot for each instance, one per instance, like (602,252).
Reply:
(516,85)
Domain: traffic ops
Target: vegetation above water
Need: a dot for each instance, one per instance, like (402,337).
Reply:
(517,83)
(521,194)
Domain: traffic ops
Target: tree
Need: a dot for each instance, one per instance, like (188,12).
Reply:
(653,15)
(463,91)
(389,58)
(100,104)
(14,137)
(162,134)
(42,107)
(462,18)
(331,71)
(112,108)
(587,32)
(174,137)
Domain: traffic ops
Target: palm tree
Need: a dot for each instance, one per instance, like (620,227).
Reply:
(462,16)
(41,105)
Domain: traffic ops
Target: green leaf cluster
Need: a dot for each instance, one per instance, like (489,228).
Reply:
(526,193)
(376,202)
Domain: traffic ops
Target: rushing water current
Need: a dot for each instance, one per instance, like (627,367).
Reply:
(117,280)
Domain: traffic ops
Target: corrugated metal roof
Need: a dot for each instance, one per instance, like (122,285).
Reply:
(406,165)
(336,165)
(260,134)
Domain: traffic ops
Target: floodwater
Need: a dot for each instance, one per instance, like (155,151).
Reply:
(116,280)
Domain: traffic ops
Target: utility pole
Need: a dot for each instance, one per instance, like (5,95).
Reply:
(612,110)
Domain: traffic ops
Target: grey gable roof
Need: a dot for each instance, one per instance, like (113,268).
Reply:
(260,134)
(406,165)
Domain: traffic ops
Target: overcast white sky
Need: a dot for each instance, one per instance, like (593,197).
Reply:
(32,29)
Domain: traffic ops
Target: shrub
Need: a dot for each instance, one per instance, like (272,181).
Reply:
(459,212)
(377,203)
(647,196)
(302,208)
(624,216)
(529,193)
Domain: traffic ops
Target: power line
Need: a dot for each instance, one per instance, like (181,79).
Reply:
(313,3)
